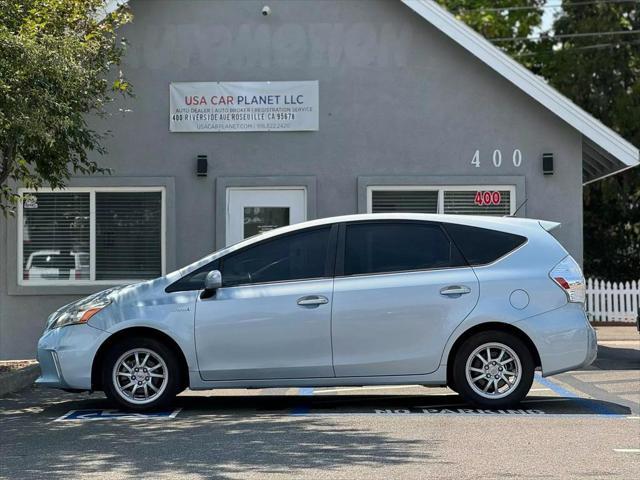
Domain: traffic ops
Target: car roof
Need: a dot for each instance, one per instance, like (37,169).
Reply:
(507,224)
(521,226)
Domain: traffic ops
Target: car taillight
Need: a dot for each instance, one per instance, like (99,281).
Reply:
(568,275)
(26,275)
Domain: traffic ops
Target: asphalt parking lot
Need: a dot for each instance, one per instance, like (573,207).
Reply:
(575,425)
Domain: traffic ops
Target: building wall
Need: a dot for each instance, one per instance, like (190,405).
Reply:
(397,99)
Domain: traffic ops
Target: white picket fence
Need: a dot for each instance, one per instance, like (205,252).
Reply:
(613,302)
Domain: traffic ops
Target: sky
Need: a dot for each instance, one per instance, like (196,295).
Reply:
(547,18)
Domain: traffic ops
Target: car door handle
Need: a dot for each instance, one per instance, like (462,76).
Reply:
(312,301)
(455,290)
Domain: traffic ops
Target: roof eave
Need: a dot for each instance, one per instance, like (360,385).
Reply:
(534,86)
(599,134)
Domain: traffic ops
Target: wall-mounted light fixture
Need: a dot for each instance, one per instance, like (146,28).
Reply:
(547,163)
(202,166)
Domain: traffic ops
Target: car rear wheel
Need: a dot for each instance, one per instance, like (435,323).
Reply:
(141,374)
(493,369)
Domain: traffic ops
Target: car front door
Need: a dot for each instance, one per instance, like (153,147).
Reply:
(401,288)
(272,317)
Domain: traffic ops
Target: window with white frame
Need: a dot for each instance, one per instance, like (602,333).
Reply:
(496,200)
(91,235)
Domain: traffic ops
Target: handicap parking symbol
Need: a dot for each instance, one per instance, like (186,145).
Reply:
(111,414)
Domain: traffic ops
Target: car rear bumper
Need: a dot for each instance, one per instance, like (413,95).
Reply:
(66,355)
(564,338)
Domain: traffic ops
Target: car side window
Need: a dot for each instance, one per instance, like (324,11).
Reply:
(194,280)
(397,246)
(297,256)
(482,245)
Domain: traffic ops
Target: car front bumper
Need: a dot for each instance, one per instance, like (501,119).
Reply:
(66,355)
(563,337)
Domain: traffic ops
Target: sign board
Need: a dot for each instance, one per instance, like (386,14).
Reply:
(243,106)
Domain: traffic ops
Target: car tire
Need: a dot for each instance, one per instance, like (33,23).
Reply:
(452,385)
(500,378)
(141,374)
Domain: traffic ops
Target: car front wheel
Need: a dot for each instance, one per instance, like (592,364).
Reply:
(493,369)
(141,374)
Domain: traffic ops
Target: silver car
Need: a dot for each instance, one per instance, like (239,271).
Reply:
(475,303)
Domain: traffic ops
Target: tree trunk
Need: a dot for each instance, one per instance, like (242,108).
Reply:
(8,158)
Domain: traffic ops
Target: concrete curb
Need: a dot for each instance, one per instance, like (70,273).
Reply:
(614,333)
(22,378)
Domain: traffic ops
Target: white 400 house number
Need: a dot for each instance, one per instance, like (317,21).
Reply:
(496,158)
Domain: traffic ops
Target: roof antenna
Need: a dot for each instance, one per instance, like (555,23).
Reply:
(518,209)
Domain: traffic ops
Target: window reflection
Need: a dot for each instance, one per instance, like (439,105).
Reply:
(55,242)
(262,219)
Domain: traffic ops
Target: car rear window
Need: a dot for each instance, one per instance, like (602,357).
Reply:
(482,245)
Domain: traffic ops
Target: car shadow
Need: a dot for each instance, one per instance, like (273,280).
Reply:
(224,436)
(195,404)
(207,441)
(385,403)
(617,358)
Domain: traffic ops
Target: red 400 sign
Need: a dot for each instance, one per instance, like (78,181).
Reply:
(488,198)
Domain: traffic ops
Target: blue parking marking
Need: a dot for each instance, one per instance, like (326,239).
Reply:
(303,409)
(595,407)
(110,414)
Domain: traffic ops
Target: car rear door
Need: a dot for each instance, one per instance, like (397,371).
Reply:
(272,317)
(401,288)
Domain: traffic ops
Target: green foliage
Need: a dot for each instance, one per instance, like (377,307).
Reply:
(492,22)
(602,75)
(612,227)
(57,63)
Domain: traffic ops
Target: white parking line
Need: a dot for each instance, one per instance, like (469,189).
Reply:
(112,414)
(627,450)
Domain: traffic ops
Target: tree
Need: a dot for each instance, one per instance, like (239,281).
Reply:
(599,73)
(602,75)
(58,60)
(511,20)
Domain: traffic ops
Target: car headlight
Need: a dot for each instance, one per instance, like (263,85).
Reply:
(79,312)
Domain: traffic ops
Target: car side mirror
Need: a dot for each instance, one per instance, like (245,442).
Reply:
(212,282)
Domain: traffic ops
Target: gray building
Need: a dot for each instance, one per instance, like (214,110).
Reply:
(299,110)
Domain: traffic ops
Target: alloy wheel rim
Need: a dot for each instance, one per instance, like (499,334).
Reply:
(493,370)
(140,376)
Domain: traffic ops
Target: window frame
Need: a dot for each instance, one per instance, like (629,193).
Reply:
(329,263)
(92,234)
(441,189)
(497,259)
(174,287)
(342,247)
(329,267)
